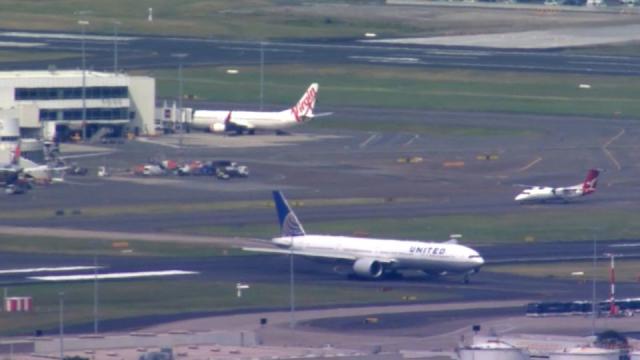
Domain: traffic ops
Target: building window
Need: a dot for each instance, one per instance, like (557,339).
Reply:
(46,115)
(66,93)
(95,114)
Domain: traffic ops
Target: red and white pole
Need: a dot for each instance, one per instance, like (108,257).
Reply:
(613,310)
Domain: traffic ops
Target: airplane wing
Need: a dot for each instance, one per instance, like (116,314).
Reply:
(241,124)
(325,255)
(322,255)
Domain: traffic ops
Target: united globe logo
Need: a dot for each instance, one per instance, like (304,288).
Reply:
(291,226)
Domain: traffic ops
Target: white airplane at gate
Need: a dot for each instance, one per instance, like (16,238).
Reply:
(249,121)
(564,194)
(371,258)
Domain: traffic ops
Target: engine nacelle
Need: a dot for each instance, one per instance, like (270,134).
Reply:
(369,268)
(218,127)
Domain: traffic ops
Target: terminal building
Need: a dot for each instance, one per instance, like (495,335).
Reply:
(56,104)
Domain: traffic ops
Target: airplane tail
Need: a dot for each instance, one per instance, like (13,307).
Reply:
(303,110)
(15,155)
(289,223)
(590,182)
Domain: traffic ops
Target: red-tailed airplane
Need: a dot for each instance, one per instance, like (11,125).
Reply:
(249,121)
(564,194)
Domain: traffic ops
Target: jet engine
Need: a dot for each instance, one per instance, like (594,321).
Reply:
(217,127)
(369,268)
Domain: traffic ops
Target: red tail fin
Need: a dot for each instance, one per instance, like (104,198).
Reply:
(304,107)
(16,155)
(590,182)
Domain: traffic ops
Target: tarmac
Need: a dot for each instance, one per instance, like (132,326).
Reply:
(541,39)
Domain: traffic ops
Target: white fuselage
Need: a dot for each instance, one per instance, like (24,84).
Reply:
(399,254)
(546,193)
(271,120)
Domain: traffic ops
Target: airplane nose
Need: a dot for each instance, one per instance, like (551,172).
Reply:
(519,197)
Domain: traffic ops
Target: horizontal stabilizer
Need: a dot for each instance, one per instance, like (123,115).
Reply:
(314,115)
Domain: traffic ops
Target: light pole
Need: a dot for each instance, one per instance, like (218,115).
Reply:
(61,322)
(95,291)
(594,306)
(83,24)
(180,57)
(292,299)
(261,74)
(116,23)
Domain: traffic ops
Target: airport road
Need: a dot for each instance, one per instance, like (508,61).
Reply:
(143,52)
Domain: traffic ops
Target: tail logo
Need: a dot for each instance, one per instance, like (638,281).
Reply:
(291,226)
(590,182)
(305,105)
(15,155)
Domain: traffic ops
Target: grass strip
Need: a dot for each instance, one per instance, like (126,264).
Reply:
(120,300)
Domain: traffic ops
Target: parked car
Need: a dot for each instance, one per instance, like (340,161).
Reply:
(231,168)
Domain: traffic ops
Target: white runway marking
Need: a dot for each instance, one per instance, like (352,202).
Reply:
(129,275)
(370,139)
(384,59)
(257,48)
(20,44)
(599,63)
(414,138)
(64,36)
(529,165)
(145,140)
(45,269)
(626,245)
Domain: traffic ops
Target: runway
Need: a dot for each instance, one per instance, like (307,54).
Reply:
(144,52)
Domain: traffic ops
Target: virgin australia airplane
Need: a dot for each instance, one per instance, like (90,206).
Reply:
(371,258)
(218,121)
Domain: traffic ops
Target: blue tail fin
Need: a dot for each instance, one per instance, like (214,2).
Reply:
(289,223)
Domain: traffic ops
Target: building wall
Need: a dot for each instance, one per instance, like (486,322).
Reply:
(142,92)
(101,110)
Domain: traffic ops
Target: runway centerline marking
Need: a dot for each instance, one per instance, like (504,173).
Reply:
(605,149)
(127,275)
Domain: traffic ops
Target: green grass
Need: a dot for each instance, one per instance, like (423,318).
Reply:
(382,86)
(57,245)
(168,208)
(624,49)
(247,19)
(546,225)
(11,56)
(181,296)
(626,270)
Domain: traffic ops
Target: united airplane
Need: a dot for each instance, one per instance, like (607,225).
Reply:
(564,194)
(249,121)
(371,258)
